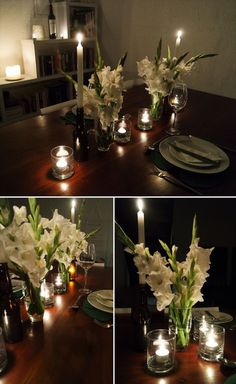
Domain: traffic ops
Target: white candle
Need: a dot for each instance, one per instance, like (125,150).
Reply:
(80,71)
(145,117)
(13,72)
(177,41)
(140,216)
(72,211)
(162,353)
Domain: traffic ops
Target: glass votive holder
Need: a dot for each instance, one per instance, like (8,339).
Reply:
(47,294)
(144,119)
(3,353)
(160,350)
(59,281)
(122,129)
(200,324)
(72,270)
(211,343)
(62,162)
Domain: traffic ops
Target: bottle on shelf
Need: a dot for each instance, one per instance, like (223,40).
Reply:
(10,317)
(51,22)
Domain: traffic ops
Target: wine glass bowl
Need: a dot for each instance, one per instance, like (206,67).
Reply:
(177,99)
(86,261)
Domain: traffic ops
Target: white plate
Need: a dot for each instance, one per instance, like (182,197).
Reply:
(95,300)
(220,316)
(166,151)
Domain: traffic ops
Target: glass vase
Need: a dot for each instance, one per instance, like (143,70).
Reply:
(157,107)
(180,321)
(104,137)
(33,303)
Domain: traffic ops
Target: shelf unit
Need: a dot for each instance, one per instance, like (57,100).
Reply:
(43,85)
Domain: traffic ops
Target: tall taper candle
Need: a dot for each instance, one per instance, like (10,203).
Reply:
(72,210)
(177,42)
(140,216)
(80,71)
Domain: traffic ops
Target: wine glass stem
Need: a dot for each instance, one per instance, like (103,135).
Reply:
(85,278)
(174,122)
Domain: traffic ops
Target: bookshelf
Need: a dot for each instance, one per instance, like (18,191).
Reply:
(42,85)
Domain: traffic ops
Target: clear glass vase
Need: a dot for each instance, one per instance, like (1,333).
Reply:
(157,107)
(104,137)
(33,302)
(180,321)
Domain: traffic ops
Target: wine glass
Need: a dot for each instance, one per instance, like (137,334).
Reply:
(177,99)
(86,261)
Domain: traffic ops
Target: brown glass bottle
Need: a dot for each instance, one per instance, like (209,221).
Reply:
(141,320)
(51,23)
(9,308)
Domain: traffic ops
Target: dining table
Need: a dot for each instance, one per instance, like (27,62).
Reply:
(189,367)
(68,346)
(127,169)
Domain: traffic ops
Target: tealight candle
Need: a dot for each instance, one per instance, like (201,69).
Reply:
(47,294)
(162,353)
(59,283)
(144,119)
(72,270)
(211,343)
(13,72)
(122,131)
(200,325)
(161,350)
(62,162)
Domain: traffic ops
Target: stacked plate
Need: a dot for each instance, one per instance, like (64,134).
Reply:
(194,154)
(102,300)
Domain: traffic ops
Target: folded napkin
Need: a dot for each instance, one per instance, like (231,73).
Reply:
(193,179)
(96,313)
(191,149)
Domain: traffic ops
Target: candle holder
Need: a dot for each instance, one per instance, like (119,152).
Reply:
(59,280)
(200,324)
(62,162)
(160,350)
(47,294)
(144,119)
(13,73)
(211,343)
(80,137)
(122,130)
(72,270)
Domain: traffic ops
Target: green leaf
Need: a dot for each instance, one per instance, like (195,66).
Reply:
(100,62)
(178,61)
(158,54)
(168,55)
(98,86)
(122,59)
(92,233)
(200,56)
(123,238)
(194,228)
(80,213)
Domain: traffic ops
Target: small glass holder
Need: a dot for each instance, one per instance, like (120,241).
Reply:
(3,353)
(122,130)
(211,343)
(200,324)
(161,350)
(62,162)
(59,281)
(144,119)
(47,294)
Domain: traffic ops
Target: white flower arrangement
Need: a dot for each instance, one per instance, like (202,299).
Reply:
(31,243)
(161,73)
(172,282)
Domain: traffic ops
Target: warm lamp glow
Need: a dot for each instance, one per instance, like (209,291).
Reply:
(13,72)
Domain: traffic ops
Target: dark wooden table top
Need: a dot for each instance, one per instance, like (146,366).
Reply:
(123,171)
(130,366)
(68,347)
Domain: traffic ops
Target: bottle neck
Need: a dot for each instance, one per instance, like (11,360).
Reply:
(51,14)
